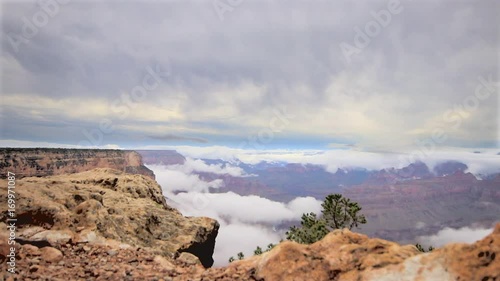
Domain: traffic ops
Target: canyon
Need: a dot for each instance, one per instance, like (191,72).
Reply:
(114,223)
(400,204)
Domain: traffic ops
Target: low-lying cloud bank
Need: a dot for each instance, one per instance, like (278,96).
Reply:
(246,221)
(182,178)
(482,161)
(451,235)
(198,165)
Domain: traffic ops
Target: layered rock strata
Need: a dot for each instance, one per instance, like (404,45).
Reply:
(27,162)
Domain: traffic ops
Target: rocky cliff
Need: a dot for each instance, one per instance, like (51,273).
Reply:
(457,200)
(26,162)
(103,208)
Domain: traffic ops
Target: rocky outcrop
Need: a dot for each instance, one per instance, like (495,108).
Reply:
(107,207)
(344,255)
(26,162)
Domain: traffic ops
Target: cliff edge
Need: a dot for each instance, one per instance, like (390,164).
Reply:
(100,209)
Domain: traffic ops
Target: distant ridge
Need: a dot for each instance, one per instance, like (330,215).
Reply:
(25,162)
(162,157)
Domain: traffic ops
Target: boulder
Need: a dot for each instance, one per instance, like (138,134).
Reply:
(50,254)
(188,259)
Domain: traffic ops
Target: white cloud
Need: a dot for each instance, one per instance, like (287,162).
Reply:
(485,162)
(232,207)
(450,235)
(174,180)
(301,205)
(234,238)
(198,165)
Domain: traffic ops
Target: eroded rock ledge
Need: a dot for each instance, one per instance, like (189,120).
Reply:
(27,162)
(345,255)
(109,208)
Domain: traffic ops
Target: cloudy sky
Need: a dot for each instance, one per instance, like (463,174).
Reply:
(374,75)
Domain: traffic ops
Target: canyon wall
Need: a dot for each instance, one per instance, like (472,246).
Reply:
(26,162)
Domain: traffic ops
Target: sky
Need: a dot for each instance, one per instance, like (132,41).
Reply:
(366,75)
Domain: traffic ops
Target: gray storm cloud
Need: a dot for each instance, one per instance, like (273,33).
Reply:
(228,75)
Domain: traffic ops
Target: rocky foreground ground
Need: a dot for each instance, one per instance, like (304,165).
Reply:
(107,225)
(342,255)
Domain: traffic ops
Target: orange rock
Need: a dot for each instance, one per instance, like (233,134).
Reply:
(30,250)
(344,255)
(163,262)
(50,254)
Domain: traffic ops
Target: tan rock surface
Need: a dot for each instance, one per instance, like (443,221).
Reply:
(106,206)
(97,262)
(344,255)
(50,254)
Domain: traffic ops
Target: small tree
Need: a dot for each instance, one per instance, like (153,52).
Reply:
(311,230)
(421,249)
(257,251)
(338,212)
(240,256)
